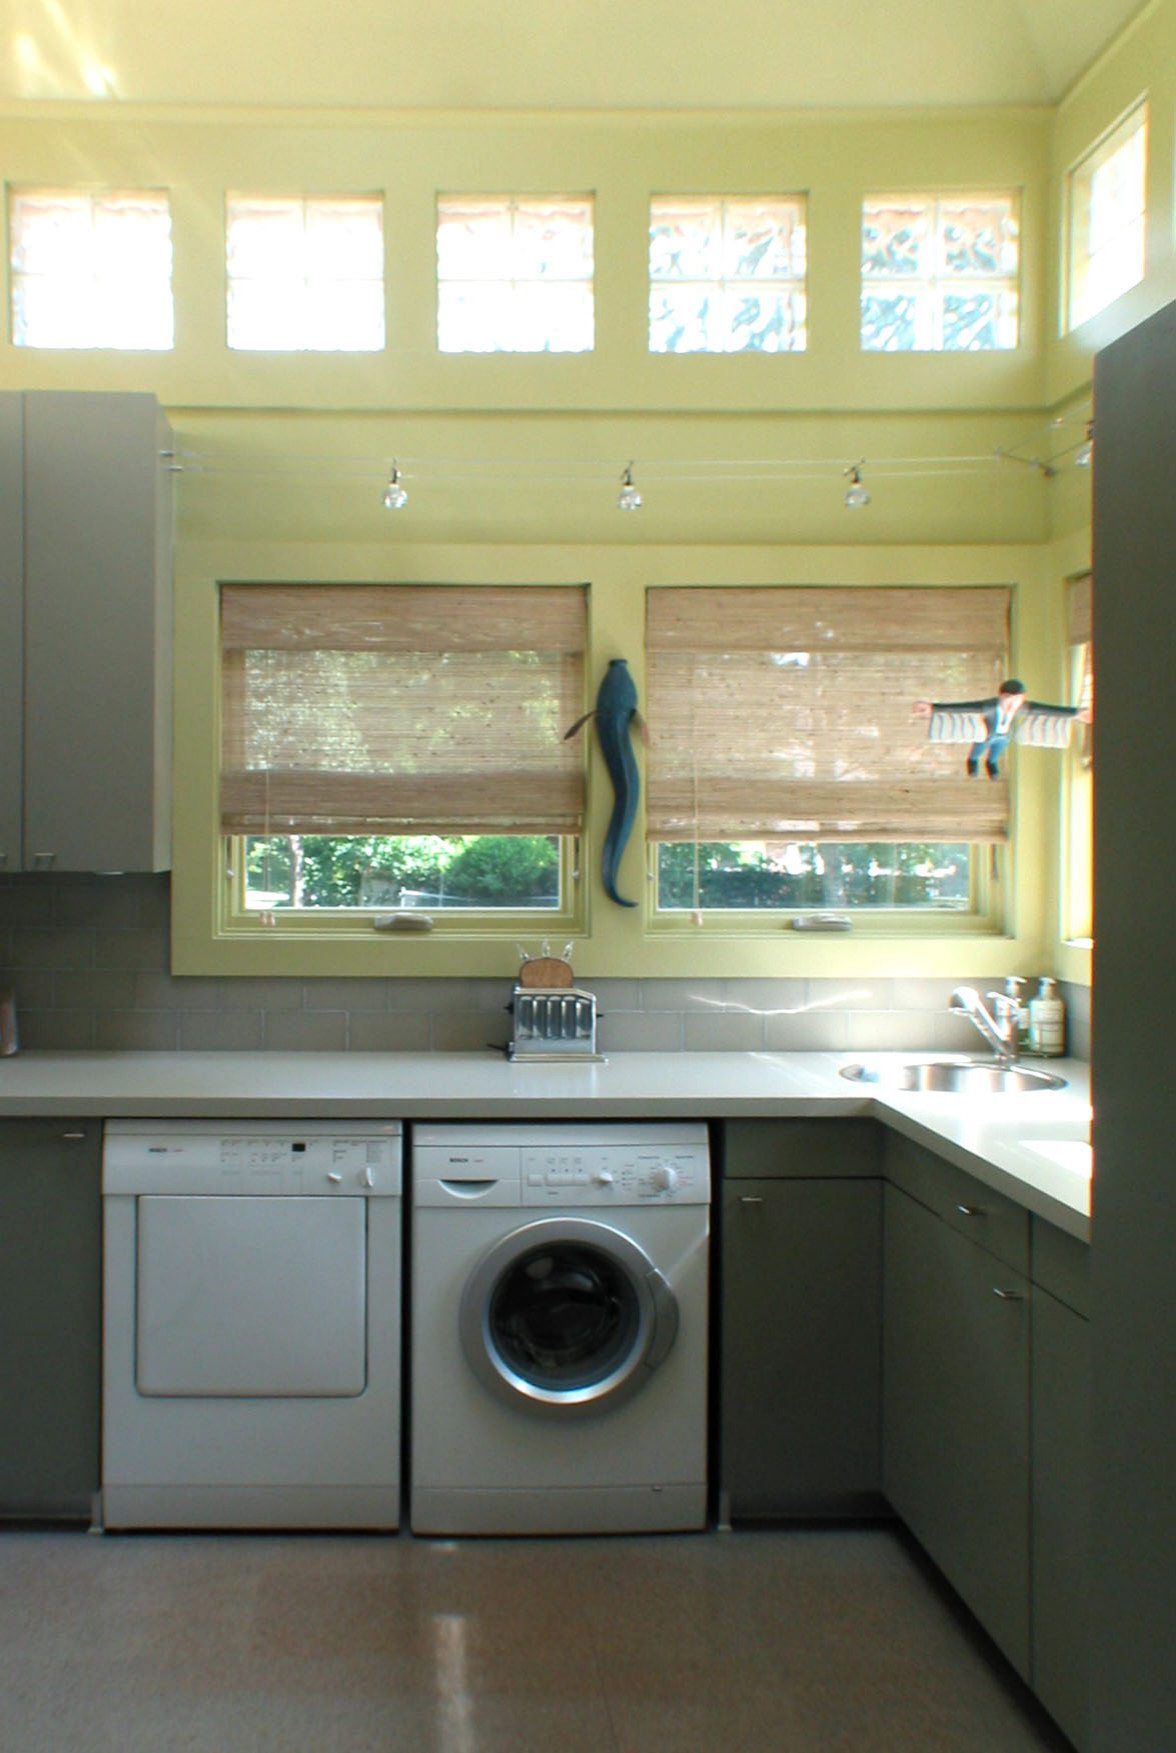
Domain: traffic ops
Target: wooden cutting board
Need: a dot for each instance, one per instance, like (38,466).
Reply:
(546,971)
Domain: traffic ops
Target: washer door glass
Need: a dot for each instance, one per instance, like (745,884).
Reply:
(567,1315)
(564,1316)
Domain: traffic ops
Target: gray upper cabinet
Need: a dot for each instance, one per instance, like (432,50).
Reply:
(85,631)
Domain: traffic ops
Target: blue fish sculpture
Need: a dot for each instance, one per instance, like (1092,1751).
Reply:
(615,709)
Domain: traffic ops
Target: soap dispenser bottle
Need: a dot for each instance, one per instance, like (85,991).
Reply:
(1018,1007)
(1047,1020)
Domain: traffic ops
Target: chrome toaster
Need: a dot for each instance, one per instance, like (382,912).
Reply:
(553,1023)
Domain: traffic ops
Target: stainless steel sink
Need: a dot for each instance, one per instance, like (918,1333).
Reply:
(975,1078)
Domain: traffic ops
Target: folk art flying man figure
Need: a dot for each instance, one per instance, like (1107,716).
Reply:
(990,725)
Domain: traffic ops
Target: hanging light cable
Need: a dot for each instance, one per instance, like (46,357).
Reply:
(855,494)
(628,499)
(395,496)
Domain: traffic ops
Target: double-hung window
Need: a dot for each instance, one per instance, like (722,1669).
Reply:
(399,749)
(788,770)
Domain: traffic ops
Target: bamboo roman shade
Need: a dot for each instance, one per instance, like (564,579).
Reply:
(401,709)
(786,713)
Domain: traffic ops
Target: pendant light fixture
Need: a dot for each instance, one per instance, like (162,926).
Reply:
(628,499)
(395,496)
(855,494)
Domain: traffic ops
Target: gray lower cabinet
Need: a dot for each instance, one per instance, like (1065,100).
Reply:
(1062,1464)
(955,1422)
(986,1413)
(800,1304)
(50,1317)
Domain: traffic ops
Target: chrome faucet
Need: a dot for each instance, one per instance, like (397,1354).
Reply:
(1002,1031)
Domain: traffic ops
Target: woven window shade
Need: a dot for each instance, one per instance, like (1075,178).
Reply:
(401,709)
(786,712)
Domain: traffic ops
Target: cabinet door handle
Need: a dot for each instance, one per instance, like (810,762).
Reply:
(44,860)
(971,1210)
(73,1135)
(1008,1296)
(750,1199)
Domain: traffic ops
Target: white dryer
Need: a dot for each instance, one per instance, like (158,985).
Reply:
(559,1328)
(251,1348)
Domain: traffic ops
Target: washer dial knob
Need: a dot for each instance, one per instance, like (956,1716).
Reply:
(663,1178)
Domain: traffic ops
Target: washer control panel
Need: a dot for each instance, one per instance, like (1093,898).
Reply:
(616,1175)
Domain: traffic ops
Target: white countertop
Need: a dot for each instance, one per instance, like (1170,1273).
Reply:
(1028,1146)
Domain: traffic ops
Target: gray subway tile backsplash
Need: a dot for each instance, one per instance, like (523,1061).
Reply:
(306,1031)
(221,1031)
(373,1031)
(88,958)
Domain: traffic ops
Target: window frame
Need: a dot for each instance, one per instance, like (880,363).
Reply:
(937,281)
(511,204)
(1077,843)
(795,283)
(610,943)
(991,877)
(1079,178)
(237,920)
(14,192)
(990,873)
(374,198)
(290,627)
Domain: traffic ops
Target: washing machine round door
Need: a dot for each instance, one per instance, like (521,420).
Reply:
(566,1315)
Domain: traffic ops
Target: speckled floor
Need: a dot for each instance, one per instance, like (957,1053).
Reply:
(807,1641)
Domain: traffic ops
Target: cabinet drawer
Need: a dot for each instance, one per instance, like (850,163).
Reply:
(811,1149)
(1061,1265)
(967,1205)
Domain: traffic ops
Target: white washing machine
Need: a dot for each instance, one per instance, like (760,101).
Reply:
(251,1347)
(559,1328)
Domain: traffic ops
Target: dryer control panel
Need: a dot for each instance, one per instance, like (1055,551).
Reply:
(255,1158)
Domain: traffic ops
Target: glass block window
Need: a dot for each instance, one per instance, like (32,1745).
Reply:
(727,275)
(514,274)
(939,273)
(1108,219)
(91,270)
(305,275)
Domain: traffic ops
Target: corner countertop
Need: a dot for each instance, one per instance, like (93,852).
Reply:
(1031,1147)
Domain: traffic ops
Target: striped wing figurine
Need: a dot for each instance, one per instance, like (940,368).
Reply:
(990,725)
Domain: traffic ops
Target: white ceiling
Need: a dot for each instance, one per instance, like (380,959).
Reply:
(554,54)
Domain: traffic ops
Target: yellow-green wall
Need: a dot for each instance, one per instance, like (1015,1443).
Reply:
(512,462)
